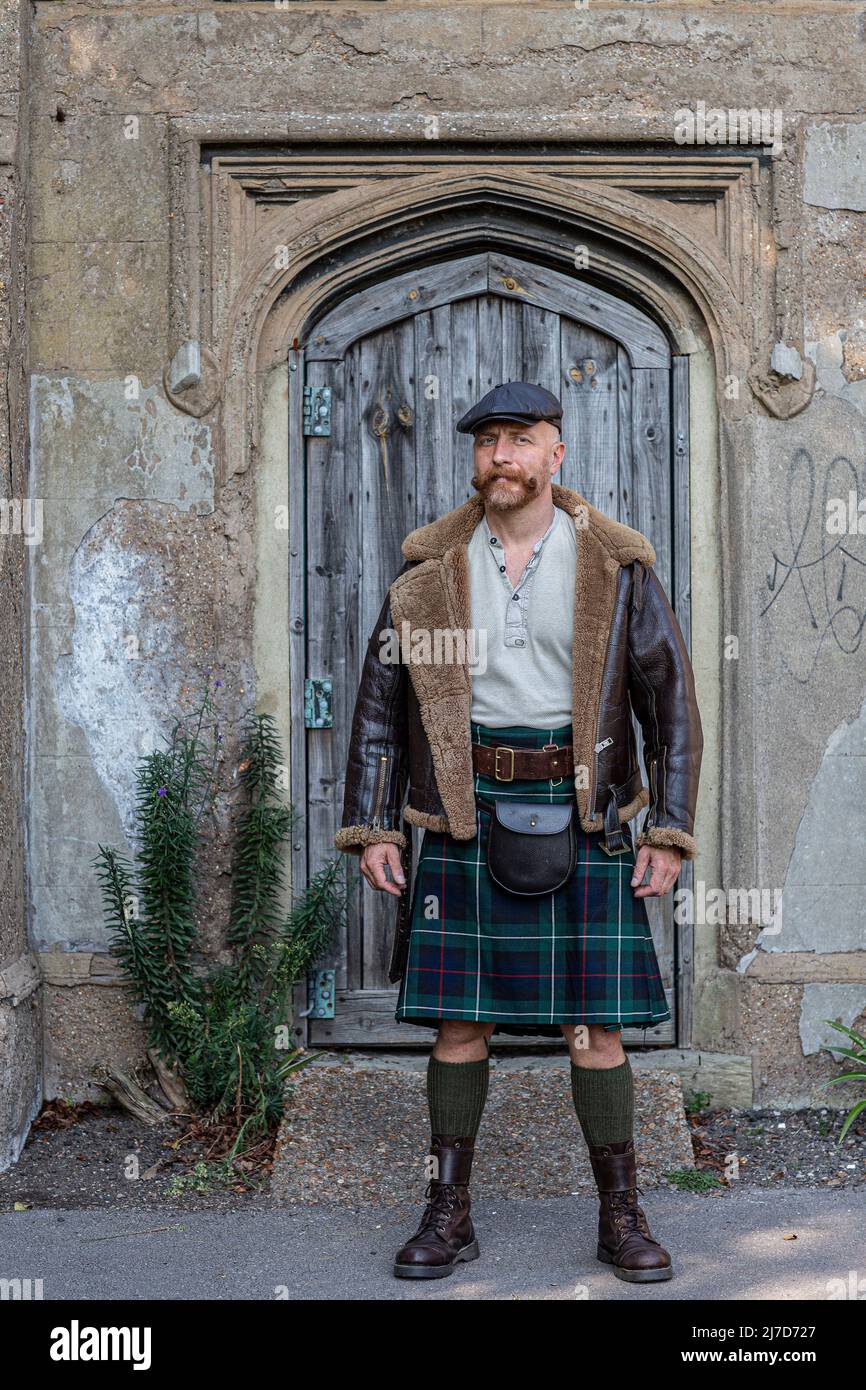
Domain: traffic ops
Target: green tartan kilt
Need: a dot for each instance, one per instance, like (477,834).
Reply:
(583,954)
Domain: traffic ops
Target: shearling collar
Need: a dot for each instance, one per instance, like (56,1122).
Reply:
(622,543)
(435,596)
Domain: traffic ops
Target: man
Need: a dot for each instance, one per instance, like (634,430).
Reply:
(579,633)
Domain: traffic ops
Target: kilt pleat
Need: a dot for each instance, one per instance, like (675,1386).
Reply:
(583,954)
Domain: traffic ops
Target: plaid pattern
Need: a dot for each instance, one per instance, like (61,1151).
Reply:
(583,954)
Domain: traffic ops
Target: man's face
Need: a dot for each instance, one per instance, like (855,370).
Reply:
(514,462)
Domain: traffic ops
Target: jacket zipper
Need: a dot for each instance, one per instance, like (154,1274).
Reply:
(384,759)
(590,804)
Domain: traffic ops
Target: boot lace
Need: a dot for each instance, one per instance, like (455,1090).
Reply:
(626,1213)
(441,1200)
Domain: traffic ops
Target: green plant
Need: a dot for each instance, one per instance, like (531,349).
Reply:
(204,1177)
(150,908)
(224,1026)
(698,1100)
(692,1179)
(858,1054)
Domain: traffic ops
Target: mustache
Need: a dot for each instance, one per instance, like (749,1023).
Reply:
(481,484)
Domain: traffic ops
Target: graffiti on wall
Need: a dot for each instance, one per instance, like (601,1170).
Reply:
(820,568)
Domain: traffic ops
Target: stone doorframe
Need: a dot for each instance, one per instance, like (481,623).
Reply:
(269,272)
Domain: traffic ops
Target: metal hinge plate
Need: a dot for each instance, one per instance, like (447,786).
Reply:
(318,707)
(317,410)
(321,992)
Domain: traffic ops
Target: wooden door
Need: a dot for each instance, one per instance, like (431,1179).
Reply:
(403,361)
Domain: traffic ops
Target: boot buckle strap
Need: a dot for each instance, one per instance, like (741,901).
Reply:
(614,1172)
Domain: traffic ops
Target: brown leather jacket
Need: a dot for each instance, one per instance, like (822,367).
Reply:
(411,724)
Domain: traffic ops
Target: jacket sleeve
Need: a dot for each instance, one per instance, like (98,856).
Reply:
(377,764)
(662,692)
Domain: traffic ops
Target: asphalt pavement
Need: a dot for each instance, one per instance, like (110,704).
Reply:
(745,1244)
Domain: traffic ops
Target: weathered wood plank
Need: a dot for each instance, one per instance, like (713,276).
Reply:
(489,343)
(589,379)
(512,340)
(652,515)
(355,632)
(434,426)
(297,648)
(365,1018)
(644,342)
(388,415)
(464,392)
(412,293)
(328,583)
(682,604)
(541,347)
(651,445)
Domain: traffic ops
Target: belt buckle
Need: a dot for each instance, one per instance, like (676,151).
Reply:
(501,748)
(553,747)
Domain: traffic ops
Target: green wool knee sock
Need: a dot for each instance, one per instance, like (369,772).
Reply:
(456,1093)
(604,1101)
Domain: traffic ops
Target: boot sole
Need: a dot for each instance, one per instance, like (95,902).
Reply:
(469,1252)
(635,1276)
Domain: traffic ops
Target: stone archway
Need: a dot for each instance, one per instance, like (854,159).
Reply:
(353,239)
(307,258)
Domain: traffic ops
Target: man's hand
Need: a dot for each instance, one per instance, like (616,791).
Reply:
(372,866)
(665,869)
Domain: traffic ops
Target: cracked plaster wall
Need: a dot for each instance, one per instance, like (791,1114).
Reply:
(99,314)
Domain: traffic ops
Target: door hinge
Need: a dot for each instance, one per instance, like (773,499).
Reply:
(318,709)
(320,994)
(317,410)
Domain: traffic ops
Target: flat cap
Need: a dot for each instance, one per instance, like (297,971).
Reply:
(513,400)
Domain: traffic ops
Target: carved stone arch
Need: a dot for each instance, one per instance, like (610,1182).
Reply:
(329,251)
(316,253)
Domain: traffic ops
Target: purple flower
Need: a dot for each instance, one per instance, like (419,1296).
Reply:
(217,682)
(161,791)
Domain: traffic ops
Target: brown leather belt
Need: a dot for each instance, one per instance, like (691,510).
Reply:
(508,764)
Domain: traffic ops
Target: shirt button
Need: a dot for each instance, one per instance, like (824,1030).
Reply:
(519,642)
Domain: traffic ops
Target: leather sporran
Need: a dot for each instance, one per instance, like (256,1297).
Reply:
(531,845)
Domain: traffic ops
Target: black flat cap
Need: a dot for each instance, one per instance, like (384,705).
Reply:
(513,400)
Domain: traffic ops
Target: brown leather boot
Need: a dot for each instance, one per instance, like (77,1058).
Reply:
(624,1239)
(445,1235)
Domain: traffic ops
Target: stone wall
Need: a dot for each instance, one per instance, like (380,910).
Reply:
(149,531)
(20,1013)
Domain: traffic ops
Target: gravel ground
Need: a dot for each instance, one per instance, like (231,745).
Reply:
(358,1137)
(794,1148)
(105,1158)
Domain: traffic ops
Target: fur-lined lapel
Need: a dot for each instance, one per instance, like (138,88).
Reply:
(435,595)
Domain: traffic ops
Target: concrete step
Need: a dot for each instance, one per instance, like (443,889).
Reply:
(356,1131)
